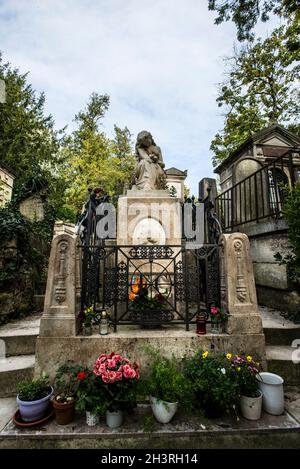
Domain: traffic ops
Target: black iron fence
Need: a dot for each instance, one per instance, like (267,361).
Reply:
(259,196)
(149,284)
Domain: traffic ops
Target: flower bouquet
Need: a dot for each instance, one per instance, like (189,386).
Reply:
(119,378)
(147,307)
(218,317)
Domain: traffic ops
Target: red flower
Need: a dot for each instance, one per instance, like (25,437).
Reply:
(213,310)
(81,375)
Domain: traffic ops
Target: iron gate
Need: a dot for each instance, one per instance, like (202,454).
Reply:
(178,283)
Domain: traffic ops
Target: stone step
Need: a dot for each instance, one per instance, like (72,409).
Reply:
(139,430)
(13,370)
(19,337)
(284,361)
(277,329)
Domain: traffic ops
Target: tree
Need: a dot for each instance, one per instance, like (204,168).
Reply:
(93,158)
(246,13)
(29,144)
(260,88)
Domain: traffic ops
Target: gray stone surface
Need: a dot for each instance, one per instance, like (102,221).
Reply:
(277,329)
(185,431)
(270,275)
(19,336)
(13,370)
(53,351)
(284,361)
(8,406)
(278,299)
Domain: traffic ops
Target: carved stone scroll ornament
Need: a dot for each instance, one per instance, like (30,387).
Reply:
(60,288)
(222,272)
(241,291)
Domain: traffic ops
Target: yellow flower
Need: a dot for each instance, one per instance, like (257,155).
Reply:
(239,368)
(249,358)
(204,354)
(228,356)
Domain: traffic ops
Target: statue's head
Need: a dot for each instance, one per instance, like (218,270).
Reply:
(144,139)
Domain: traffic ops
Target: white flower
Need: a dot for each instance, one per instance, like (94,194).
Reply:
(223,371)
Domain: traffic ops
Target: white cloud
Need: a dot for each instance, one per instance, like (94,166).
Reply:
(159,60)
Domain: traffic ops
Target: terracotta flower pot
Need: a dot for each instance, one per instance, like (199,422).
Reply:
(64,413)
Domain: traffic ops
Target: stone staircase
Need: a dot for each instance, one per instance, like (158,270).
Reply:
(282,337)
(17,353)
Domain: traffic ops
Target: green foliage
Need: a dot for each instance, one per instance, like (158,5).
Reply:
(246,369)
(246,13)
(94,159)
(291,211)
(33,390)
(29,143)
(90,394)
(165,379)
(213,381)
(262,88)
(66,381)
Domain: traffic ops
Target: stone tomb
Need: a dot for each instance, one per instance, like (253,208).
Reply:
(59,341)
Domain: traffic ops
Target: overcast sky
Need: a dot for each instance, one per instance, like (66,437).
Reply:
(159,60)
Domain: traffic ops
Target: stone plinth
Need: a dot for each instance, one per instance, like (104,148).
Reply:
(131,341)
(238,294)
(62,297)
(149,217)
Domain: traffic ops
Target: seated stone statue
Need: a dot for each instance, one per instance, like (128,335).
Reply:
(149,170)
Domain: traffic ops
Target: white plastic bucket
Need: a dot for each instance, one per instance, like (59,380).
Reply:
(271,386)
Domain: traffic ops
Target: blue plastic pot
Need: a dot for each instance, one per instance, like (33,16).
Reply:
(34,410)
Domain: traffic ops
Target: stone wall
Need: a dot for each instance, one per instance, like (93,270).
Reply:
(6,186)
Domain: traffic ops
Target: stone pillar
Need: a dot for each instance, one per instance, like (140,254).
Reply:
(206,183)
(62,299)
(238,294)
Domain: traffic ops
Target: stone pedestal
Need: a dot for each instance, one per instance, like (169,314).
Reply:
(150,218)
(238,294)
(62,299)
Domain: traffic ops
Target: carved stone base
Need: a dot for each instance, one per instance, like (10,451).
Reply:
(238,323)
(58,326)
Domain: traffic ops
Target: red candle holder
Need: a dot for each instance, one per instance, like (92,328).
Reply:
(201,324)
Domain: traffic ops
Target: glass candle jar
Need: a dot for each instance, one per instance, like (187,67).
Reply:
(103,327)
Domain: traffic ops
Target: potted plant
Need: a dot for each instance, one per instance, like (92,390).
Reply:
(119,378)
(87,318)
(33,398)
(213,382)
(90,396)
(251,397)
(218,317)
(166,386)
(66,384)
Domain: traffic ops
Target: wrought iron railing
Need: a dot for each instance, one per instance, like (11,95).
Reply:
(259,196)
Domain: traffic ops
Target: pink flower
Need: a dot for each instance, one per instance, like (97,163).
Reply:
(112,376)
(102,368)
(117,358)
(119,376)
(111,363)
(105,378)
(110,355)
(129,372)
(213,310)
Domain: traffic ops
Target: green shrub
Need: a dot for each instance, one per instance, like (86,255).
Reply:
(33,390)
